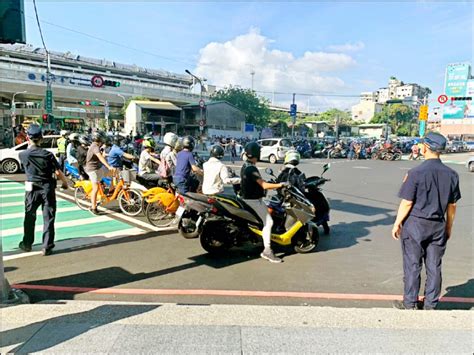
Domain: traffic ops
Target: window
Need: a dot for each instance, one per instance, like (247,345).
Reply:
(285,143)
(22,147)
(47,143)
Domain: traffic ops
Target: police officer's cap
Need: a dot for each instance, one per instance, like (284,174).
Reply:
(435,141)
(34,131)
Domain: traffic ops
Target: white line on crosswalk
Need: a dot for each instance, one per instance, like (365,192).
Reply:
(10,204)
(9,183)
(80,222)
(78,242)
(12,195)
(21,214)
(11,188)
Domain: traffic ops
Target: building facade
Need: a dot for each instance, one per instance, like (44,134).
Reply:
(458,112)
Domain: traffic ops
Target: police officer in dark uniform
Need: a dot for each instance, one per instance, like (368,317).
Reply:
(40,167)
(424,222)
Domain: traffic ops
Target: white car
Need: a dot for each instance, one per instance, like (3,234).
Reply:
(273,149)
(10,157)
(470,164)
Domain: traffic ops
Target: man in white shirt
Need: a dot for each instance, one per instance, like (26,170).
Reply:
(216,173)
(145,164)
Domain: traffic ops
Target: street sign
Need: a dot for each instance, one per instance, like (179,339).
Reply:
(422,128)
(202,103)
(442,99)
(293,110)
(97,81)
(423,116)
(48,103)
(201,123)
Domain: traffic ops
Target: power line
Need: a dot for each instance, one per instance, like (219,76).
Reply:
(39,26)
(113,43)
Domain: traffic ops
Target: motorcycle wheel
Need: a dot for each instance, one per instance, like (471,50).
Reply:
(374,156)
(187,225)
(397,156)
(388,156)
(306,240)
(214,241)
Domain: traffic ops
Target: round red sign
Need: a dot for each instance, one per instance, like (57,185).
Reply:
(442,99)
(97,81)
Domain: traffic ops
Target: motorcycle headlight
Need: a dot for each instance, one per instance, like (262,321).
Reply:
(313,209)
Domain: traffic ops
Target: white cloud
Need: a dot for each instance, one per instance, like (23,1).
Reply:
(231,62)
(347,47)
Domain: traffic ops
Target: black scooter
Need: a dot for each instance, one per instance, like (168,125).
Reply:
(313,192)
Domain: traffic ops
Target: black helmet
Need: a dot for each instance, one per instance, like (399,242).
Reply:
(83,139)
(117,140)
(252,150)
(34,132)
(99,136)
(217,152)
(188,143)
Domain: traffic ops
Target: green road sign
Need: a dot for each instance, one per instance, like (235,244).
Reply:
(48,103)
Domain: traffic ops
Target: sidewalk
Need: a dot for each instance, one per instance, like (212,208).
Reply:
(93,327)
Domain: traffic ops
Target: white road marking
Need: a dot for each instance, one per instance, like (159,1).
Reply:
(10,204)
(78,242)
(21,214)
(12,195)
(361,167)
(80,222)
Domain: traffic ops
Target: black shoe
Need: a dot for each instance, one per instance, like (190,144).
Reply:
(401,305)
(24,247)
(429,308)
(47,252)
(94,211)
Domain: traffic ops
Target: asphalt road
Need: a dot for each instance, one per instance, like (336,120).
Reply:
(358,258)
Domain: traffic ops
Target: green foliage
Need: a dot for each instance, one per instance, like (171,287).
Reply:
(398,116)
(332,114)
(255,108)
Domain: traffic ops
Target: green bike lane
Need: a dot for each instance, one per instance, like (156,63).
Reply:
(72,224)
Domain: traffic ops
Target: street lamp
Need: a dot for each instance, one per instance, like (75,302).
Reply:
(13,114)
(106,112)
(123,106)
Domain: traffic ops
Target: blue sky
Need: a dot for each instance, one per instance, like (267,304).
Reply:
(350,47)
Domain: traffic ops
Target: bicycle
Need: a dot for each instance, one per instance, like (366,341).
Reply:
(117,188)
(161,205)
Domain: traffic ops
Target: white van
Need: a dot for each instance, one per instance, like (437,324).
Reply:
(274,149)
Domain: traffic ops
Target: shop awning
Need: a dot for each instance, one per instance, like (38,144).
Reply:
(157,105)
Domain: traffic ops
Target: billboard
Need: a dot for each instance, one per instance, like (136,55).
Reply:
(456,85)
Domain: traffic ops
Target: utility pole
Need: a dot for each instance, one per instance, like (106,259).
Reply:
(252,73)
(293,115)
(201,101)
(13,115)
(337,127)
(49,91)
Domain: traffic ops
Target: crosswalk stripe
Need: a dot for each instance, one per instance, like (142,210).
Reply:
(8,204)
(78,242)
(21,214)
(12,195)
(19,230)
(11,188)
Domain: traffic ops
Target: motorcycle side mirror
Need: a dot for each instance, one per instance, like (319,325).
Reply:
(269,171)
(326,167)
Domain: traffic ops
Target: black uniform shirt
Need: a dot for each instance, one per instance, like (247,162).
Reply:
(39,164)
(249,175)
(431,186)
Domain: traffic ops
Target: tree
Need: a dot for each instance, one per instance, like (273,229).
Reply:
(397,116)
(255,108)
(332,114)
(136,98)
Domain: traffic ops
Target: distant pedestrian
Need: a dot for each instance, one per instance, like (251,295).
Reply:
(21,136)
(7,138)
(40,168)
(424,222)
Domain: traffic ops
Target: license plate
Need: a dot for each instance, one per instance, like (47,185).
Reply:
(180,211)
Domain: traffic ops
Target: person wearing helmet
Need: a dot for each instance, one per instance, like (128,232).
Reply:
(62,144)
(290,172)
(71,149)
(170,140)
(171,157)
(96,166)
(185,164)
(147,159)
(216,173)
(81,155)
(116,155)
(253,190)
(40,168)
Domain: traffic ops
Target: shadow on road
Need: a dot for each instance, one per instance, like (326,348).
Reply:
(464,290)
(345,235)
(43,335)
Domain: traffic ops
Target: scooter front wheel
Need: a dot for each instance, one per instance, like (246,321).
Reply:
(187,225)
(306,240)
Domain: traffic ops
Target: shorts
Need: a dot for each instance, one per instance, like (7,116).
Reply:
(95,176)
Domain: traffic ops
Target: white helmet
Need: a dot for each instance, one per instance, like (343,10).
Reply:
(170,139)
(74,137)
(63,133)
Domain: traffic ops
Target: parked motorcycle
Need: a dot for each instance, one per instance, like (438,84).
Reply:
(314,194)
(228,221)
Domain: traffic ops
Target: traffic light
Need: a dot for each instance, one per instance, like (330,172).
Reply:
(12,21)
(113,83)
(458,98)
(89,103)
(47,118)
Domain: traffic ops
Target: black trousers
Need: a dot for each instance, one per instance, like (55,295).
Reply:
(423,241)
(45,197)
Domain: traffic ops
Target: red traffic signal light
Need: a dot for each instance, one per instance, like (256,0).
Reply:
(47,118)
